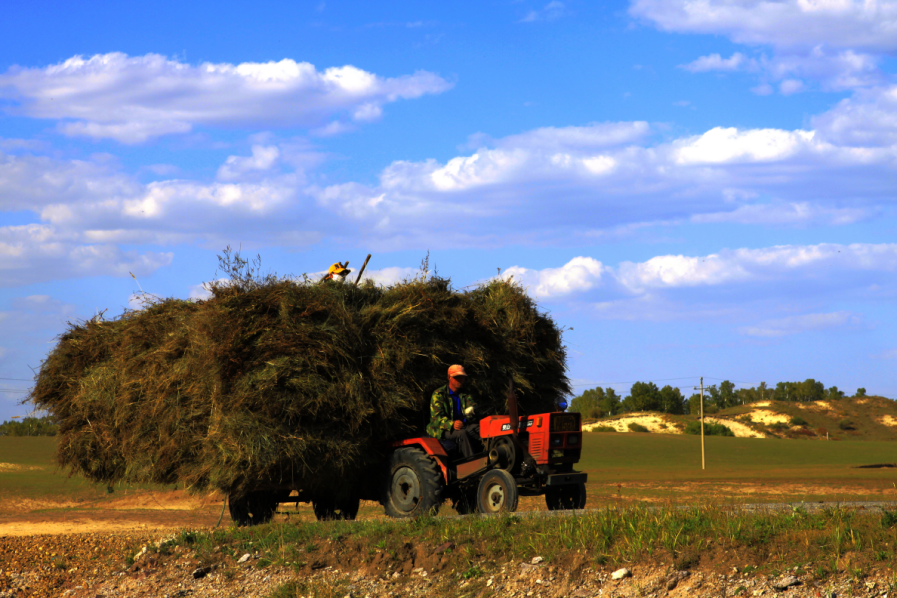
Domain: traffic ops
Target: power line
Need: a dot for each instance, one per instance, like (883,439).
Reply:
(19,379)
(14,390)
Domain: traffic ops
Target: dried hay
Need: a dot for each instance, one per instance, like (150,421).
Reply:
(280,383)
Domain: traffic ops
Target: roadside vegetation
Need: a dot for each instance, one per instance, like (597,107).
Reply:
(831,541)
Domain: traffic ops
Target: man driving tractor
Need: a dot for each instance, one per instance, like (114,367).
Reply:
(452,413)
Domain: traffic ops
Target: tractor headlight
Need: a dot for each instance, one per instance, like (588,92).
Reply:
(573,439)
(556,440)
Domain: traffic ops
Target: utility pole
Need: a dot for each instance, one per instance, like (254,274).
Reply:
(702,421)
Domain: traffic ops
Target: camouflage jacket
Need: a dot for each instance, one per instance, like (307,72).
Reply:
(441,420)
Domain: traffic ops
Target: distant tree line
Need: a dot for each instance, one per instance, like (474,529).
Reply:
(29,426)
(646,396)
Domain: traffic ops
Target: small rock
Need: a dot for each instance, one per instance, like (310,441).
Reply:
(536,560)
(201,572)
(786,582)
(672,582)
(489,583)
(244,558)
(444,547)
(621,573)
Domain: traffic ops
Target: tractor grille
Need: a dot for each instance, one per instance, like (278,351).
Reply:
(535,446)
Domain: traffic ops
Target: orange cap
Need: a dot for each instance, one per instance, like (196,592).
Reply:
(456,370)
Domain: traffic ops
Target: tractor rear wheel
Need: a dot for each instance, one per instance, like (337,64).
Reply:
(253,508)
(566,498)
(329,509)
(497,493)
(413,485)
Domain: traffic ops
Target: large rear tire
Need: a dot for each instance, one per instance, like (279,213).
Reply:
(413,484)
(566,498)
(497,493)
(331,509)
(253,508)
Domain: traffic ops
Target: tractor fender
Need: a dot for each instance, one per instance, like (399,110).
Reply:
(434,449)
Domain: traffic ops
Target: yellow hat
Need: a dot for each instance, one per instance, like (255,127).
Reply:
(339,269)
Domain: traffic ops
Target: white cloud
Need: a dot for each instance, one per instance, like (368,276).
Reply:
(126,132)
(577,275)
(551,11)
(789,214)
(386,276)
(132,99)
(791,86)
(864,24)
(715,62)
(825,263)
(545,185)
(263,158)
(201,292)
(837,43)
(730,145)
(802,323)
(34,253)
(869,119)
(747,288)
(779,263)
(554,183)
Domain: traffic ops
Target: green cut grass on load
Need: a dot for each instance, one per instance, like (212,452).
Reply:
(284,383)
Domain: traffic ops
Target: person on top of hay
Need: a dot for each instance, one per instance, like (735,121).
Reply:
(337,271)
(451,413)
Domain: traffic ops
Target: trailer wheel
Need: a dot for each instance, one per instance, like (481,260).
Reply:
(465,502)
(253,508)
(413,484)
(565,498)
(333,509)
(497,492)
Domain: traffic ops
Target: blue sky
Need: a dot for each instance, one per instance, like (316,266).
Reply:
(695,188)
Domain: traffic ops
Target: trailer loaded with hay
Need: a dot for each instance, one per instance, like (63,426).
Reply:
(273,387)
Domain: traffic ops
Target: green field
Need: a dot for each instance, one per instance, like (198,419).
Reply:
(37,478)
(623,468)
(668,467)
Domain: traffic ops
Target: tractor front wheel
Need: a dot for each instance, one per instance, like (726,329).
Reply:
(413,485)
(566,498)
(330,509)
(497,493)
(253,508)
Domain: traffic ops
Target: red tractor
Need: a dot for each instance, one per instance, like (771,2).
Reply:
(535,456)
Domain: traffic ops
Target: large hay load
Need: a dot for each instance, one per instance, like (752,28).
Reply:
(280,384)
